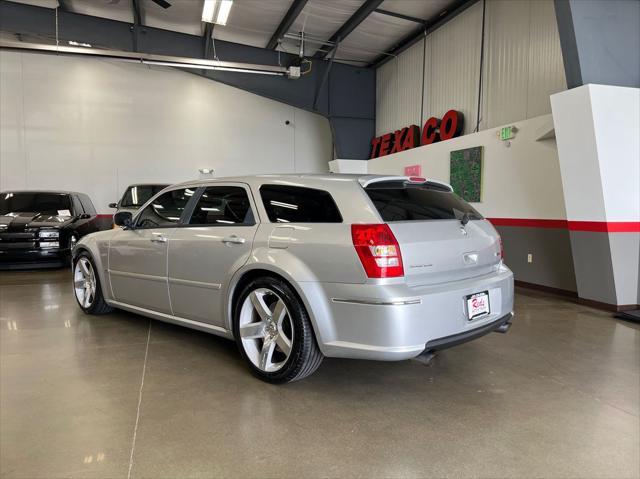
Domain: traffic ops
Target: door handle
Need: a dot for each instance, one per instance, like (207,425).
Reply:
(158,238)
(233,239)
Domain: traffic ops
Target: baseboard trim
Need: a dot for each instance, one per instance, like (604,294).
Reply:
(616,308)
(546,289)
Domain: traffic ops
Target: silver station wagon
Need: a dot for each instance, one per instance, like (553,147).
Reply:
(298,267)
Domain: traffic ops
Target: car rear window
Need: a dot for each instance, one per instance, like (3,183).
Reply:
(399,201)
(296,204)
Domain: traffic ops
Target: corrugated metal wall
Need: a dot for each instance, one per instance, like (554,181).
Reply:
(398,90)
(522,67)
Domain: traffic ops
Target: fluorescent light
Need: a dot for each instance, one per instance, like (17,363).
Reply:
(207,67)
(208,10)
(220,10)
(79,44)
(223,12)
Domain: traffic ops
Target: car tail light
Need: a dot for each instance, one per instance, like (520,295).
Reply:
(378,250)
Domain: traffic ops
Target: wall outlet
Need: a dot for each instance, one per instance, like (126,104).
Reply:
(529,258)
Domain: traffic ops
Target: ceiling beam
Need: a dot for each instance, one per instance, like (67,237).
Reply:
(290,17)
(64,5)
(408,18)
(206,39)
(350,25)
(430,25)
(136,9)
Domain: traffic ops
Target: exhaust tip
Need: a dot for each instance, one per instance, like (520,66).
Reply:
(503,328)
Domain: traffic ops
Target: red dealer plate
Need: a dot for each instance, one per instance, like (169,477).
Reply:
(477,305)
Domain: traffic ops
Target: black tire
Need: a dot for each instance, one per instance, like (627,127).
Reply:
(99,305)
(305,355)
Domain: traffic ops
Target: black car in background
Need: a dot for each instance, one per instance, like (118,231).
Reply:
(39,228)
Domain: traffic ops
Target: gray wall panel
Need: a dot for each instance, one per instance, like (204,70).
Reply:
(625,255)
(551,249)
(593,267)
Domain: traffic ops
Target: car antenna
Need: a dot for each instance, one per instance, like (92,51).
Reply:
(465,219)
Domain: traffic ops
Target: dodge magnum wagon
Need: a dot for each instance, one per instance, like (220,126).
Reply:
(298,267)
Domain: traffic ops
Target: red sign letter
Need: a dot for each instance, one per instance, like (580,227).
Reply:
(452,125)
(385,141)
(374,147)
(411,138)
(429,133)
(397,141)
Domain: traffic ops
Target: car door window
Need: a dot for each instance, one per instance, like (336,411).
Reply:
(77,206)
(296,204)
(87,205)
(223,206)
(165,210)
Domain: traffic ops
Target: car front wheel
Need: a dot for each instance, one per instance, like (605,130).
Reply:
(86,286)
(274,333)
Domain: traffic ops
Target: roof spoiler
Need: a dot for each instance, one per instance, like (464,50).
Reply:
(367,181)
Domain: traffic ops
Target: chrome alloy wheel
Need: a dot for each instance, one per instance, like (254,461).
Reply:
(266,330)
(84,282)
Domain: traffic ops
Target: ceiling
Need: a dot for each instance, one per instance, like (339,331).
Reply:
(253,22)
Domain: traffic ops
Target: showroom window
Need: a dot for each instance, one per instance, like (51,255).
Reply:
(294,204)
(223,205)
(166,210)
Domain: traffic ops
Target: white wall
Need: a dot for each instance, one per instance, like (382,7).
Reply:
(522,67)
(521,181)
(96,125)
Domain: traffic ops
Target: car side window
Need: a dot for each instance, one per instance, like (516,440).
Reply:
(87,205)
(295,204)
(77,205)
(223,205)
(165,210)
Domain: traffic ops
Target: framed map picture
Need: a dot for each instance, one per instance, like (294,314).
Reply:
(465,173)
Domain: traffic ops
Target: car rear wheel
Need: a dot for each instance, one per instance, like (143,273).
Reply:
(86,286)
(274,333)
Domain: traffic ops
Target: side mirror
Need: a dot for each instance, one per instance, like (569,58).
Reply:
(113,205)
(123,218)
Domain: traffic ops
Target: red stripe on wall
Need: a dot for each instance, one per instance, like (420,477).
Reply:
(592,226)
(606,226)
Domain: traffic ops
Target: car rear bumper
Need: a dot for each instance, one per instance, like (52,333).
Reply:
(396,321)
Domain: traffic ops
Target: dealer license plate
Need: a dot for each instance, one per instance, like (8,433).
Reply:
(477,305)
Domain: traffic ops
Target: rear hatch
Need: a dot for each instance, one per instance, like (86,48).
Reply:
(442,238)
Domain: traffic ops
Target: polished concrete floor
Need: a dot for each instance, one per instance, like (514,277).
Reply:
(119,396)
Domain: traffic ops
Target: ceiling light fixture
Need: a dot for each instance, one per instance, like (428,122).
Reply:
(218,9)
(291,72)
(73,43)
(209,67)
(208,10)
(223,12)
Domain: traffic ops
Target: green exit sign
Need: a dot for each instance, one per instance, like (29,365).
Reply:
(507,133)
